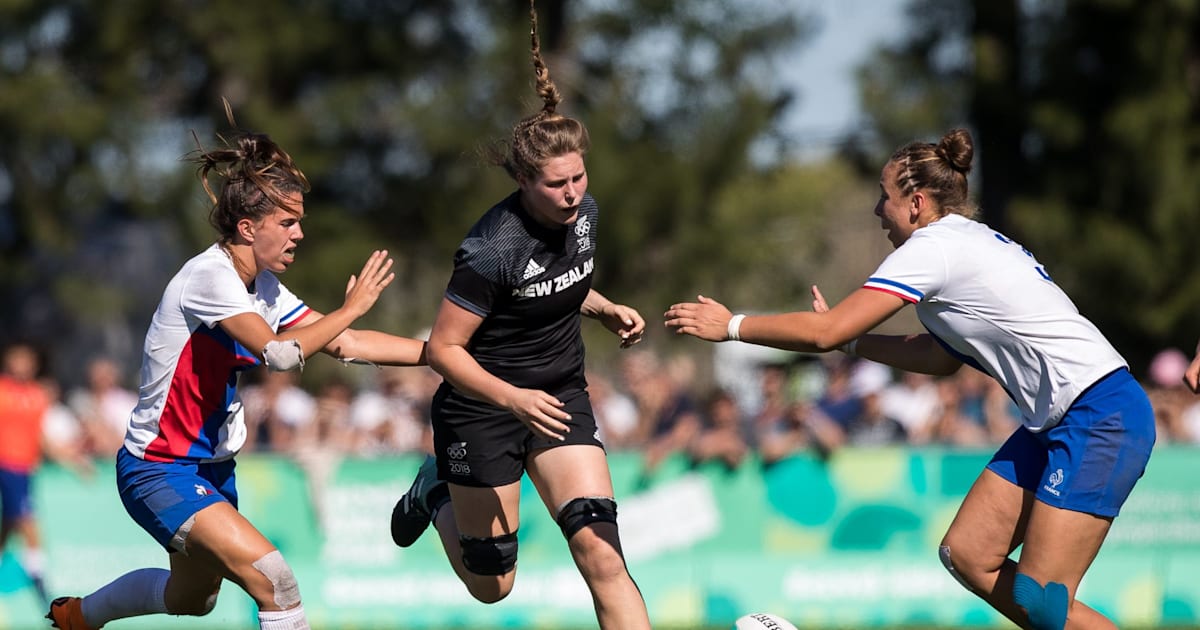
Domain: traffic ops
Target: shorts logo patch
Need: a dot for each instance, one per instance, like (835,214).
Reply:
(457,452)
(1056,479)
(202,491)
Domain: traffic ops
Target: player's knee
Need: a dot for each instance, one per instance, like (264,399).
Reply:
(948,561)
(599,561)
(1046,606)
(491,562)
(496,555)
(489,589)
(581,512)
(285,589)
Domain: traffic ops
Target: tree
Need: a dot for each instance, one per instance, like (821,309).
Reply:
(1086,116)
(382,104)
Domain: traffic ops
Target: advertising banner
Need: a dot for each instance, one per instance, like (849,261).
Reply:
(848,541)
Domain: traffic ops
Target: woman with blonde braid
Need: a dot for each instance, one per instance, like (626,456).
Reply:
(223,313)
(507,342)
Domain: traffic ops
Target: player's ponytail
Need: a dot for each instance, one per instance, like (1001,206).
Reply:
(544,135)
(255,177)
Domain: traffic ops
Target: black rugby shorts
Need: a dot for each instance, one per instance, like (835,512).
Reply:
(483,446)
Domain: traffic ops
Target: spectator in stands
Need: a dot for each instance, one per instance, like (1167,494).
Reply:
(616,413)
(385,419)
(669,417)
(872,426)
(803,429)
(23,405)
(1176,410)
(63,439)
(103,406)
(838,401)
(983,401)
(330,430)
(774,398)
(277,411)
(722,437)
(914,402)
(952,427)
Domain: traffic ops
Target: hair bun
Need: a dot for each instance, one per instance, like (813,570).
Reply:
(957,148)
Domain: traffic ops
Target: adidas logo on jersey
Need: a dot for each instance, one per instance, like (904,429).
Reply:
(532,269)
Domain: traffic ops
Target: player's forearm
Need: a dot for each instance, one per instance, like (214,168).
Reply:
(316,336)
(912,353)
(796,332)
(593,304)
(377,347)
(462,371)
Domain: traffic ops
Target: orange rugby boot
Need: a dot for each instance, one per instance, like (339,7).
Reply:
(67,613)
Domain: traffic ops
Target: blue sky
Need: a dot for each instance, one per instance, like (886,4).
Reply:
(824,66)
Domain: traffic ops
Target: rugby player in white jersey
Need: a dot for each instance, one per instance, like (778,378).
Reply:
(985,301)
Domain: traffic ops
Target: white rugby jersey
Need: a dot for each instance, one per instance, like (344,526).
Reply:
(188,408)
(992,305)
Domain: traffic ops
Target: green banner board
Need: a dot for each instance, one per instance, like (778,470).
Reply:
(850,541)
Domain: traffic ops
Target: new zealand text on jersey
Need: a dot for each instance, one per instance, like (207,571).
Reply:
(555,285)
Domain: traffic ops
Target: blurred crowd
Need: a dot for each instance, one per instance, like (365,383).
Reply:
(647,403)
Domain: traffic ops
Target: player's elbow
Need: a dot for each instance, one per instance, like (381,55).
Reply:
(283,356)
(342,346)
(438,355)
(827,341)
(945,365)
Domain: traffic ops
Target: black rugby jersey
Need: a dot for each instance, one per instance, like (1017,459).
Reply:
(528,282)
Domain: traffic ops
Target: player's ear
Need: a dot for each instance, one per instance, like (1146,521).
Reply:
(917,203)
(245,229)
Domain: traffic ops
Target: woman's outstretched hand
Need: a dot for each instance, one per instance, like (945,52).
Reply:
(363,290)
(706,319)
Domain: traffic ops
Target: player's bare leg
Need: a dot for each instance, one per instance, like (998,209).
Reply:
(567,473)
(995,518)
(488,516)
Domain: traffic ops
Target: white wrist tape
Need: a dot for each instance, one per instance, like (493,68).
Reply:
(283,356)
(850,347)
(732,330)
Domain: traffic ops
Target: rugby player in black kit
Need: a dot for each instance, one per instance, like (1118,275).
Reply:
(507,342)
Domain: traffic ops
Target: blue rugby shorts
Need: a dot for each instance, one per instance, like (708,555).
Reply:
(1090,461)
(162,496)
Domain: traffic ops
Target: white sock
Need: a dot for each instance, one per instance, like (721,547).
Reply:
(140,592)
(290,619)
(34,562)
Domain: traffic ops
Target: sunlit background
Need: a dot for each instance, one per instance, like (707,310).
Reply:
(736,148)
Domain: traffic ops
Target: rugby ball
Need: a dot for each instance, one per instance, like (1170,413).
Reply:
(762,621)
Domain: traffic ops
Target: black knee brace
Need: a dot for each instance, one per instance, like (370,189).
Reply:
(489,556)
(581,512)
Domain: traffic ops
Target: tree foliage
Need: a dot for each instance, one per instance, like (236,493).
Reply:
(384,105)
(1087,120)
